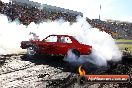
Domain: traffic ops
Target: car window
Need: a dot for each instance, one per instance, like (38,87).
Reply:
(51,39)
(65,39)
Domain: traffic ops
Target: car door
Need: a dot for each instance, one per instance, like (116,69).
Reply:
(65,43)
(50,45)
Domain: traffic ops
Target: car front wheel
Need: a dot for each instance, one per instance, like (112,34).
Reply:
(31,51)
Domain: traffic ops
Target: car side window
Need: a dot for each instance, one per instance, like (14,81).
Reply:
(51,39)
(65,39)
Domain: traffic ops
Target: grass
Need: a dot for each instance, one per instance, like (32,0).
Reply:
(123,46)
(123,40)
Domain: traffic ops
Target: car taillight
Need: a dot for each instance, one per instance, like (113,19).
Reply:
(90,49)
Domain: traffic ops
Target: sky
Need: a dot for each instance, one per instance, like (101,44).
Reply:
(110,9)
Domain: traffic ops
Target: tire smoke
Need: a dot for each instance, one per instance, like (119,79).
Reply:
(104,48)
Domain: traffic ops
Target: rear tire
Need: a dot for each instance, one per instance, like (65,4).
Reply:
(72,56)
(71,59)
(76,52)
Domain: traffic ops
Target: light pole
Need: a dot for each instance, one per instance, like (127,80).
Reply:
(99,11)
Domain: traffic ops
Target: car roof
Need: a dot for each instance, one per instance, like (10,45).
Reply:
(59,35)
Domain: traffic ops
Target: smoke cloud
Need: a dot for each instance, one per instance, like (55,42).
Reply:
(104,48)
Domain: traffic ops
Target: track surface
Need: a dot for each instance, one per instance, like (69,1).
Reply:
(21,71)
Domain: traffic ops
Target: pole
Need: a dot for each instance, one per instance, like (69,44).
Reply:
(99,12)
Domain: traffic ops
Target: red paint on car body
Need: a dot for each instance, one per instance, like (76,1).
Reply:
(57,45)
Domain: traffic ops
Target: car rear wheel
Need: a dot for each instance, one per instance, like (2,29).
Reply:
(71,59)
(72,55)
(76,53)
(31,50)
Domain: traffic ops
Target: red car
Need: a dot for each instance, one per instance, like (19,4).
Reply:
(56,45)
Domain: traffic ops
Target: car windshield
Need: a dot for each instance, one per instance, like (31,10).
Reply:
(51,39)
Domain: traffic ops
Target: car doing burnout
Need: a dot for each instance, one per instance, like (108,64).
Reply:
(56,45)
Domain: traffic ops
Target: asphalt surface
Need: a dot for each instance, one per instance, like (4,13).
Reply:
(21,71)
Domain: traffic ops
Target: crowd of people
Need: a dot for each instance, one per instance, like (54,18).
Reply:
(116,28)
(27,14)
(124,29)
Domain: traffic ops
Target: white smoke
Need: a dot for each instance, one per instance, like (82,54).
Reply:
(6,1)
(104,47)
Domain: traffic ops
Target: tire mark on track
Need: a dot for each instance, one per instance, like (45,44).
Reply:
(16,70)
